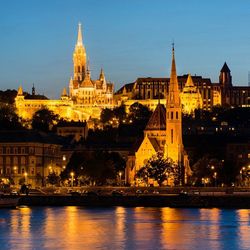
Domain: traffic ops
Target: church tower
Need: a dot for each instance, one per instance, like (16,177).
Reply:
(79,58)
(225,77)
(173,146)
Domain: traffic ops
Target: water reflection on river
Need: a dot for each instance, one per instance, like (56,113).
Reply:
(124,228)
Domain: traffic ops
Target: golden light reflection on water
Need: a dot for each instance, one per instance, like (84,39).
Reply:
(20,225)
(180,227)
(243,233)
(125,228)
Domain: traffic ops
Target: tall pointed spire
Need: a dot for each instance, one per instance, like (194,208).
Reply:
(173,76)
(173,96)
(79,57)
(79,36)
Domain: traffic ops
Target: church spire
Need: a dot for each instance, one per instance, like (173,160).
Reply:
(79,58)
(173,146)
(173,96)
(79,35)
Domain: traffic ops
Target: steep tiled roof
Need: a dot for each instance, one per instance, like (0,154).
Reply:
(157,120)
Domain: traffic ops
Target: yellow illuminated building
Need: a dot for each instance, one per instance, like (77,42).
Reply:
(163,133)
(190,97)
(86,97)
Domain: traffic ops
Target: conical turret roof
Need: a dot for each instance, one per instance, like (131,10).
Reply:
(20,90)
(64,92)
(189,82)
(157,120)
(225,68)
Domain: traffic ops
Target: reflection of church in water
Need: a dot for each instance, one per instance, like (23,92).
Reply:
(86,98)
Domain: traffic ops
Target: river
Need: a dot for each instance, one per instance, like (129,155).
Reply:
(123,228)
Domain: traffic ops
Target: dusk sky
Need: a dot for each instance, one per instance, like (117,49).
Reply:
(129,39)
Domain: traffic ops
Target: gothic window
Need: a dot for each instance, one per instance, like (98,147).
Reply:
(79,69)
(177,115)
(172,136)
(172,115)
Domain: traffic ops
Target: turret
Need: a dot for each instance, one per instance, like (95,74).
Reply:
(103,79)
(20,91)
(64,95)
(225,77)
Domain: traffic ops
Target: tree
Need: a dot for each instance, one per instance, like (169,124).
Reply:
(96,167)
(139,112)
(106,115)
(44,120)
(120,113)
(53,178)
(160,169)
(8,118)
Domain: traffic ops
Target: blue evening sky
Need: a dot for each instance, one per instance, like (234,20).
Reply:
(128,38)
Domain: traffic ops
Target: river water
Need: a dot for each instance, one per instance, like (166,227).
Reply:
(123,228)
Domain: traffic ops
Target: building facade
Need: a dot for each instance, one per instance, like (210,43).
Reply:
(29,156)
(148,90)
(86,97)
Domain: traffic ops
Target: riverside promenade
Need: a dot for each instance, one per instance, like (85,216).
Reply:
(153,197)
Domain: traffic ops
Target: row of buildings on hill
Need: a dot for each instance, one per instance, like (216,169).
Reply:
(85,98)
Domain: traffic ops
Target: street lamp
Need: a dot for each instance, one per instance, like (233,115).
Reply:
(215,176)
(14,168)
(25,176)
(72,179)
(120,175)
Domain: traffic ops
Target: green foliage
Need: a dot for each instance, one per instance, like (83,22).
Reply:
(44,120)
(8,96)
(8,118)
(106,115)
(53,178)
(139,112)
(120,113)
(159,168)
(96,167)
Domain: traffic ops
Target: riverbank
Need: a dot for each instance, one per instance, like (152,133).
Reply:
(174,201)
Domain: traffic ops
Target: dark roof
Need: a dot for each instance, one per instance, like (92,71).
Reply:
(28,136)
(225,68)
(128,87)
(157,120)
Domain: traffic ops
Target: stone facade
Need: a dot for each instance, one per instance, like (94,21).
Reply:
(86,98)
(148,90)
(29,155)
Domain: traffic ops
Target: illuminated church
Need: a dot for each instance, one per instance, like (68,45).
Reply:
(86,97)
(163,133)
